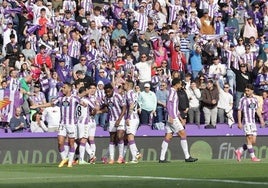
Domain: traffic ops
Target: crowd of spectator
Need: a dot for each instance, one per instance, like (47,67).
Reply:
(215,47)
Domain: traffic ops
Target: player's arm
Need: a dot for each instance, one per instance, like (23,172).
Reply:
(239,118)
(41,105)
(260,117)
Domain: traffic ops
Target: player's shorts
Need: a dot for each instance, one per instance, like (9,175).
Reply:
(175,127)
(250,129)
(133,126)
(83,130)
(113,128)
(68,130)
(92,129)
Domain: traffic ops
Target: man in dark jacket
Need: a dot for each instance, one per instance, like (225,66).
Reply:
(210,98)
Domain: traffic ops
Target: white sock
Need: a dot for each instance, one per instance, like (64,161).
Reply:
(92,147)
(133,149)
(121,148)
(82,151)
(125,150)
(251,151)
(111,150)
(66,149)
(184,146)
(71,156)
(88,149)
(164,148)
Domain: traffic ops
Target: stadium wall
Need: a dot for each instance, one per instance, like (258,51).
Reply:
(38,150)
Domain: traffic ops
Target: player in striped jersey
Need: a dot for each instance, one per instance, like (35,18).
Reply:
(115,105)
(248,106)
(132,119)
(67,127)
(174,124)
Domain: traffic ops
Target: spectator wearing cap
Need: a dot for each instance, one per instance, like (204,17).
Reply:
(101,118)
(219,24)
(118,32)
(147,101)
(119,63)
(250,30)
(206,24)
(243,77)
(135,53)
(144,45)
(43,58)
(101,75)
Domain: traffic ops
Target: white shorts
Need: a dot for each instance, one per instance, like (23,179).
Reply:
(175,127)
(121,126)
(133,126)
(69,131)
(250,129)
(83,130)
(92,129)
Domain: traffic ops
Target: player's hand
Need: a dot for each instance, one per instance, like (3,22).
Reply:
(117,122)
(240,126)
(127,122)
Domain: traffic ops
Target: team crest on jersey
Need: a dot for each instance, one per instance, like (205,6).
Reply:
(252,105)
(65,103)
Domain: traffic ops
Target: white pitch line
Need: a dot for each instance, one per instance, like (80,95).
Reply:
(144,177)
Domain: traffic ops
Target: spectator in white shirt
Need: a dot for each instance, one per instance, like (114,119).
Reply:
(225,105)
(51,115)
(194,96)
(37,124)
(217,70)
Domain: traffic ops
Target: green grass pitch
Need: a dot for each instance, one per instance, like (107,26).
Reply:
(205,173)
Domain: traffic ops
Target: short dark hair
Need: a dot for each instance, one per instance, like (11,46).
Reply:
(249,86)
(175,81)
(108,86)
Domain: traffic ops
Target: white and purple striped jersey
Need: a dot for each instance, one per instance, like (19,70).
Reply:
(114,105)
(172,104)
(74,48)
(249,59)
(132,99)
(38,98)
(249,106)
(173,11)
(142,19)
(83,112)
(67,106)
(69,5)
(87,5)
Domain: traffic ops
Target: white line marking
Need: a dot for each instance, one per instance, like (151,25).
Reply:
(142,177)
